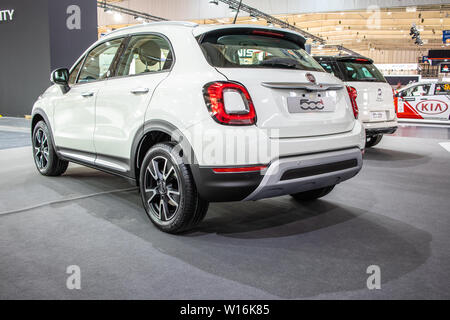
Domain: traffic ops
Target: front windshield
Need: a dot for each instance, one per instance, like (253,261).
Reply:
(356,71)
(265,50)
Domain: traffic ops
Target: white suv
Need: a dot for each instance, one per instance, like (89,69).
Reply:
(374,95)
(197,114)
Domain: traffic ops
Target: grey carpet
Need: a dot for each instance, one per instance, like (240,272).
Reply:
(394,214)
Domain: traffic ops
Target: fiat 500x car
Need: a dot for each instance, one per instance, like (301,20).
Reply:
(197,114)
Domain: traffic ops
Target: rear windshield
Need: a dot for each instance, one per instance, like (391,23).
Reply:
(256,48)
(360,71)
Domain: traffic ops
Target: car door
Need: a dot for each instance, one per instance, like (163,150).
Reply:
(410,101)
(122,103)
(74,113)
(437,103)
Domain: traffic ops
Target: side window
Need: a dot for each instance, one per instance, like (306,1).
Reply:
(74,73)
(420,90)
(442,89)
(328,67)
(144,54)
(98,61)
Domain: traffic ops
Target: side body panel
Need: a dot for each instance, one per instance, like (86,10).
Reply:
(120,114)
(74,117)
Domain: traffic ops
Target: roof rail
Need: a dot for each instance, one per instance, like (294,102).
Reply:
(164,23)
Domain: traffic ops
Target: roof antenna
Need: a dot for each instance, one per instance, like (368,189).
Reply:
(237,12)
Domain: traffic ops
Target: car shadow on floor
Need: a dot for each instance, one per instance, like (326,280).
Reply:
(394,158)
(287,249)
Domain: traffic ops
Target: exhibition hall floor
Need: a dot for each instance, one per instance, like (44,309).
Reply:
(395,214)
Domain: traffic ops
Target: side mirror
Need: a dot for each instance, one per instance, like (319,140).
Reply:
(61,78)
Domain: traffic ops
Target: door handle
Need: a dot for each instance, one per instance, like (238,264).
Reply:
(139,90)
(424,99)
(87,94)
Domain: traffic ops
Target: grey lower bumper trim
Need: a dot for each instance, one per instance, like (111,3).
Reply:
(272,184)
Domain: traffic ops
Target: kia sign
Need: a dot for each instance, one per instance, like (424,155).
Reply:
(6,15)
(432,107)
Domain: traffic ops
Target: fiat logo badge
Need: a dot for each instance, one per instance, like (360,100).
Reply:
(311,78)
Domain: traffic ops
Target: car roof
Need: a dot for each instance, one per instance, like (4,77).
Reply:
(151,26)
(197,29)
(409,85)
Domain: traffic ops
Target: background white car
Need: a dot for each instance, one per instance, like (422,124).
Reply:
(424,100)
(195,114)
(374,95)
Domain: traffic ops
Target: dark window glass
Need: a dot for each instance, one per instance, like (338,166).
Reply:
(442,89)
(256,49)
(98,61)
(330,68)
(144,54)
(74,73)
(360,71)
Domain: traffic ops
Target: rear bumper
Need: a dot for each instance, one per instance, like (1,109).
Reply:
(284,176)
(389,130)
(309,172)
(386,127)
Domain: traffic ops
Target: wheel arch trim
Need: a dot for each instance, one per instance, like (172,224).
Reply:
(40,112)
(168,128)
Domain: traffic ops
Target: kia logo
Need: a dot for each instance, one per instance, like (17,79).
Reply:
(432,107)
(311,78)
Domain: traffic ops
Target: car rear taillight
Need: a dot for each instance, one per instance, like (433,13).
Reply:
(353,94)
(229,103)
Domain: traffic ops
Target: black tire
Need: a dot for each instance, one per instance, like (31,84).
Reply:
(45,158)
(168,190)
(373,140)
(312,194)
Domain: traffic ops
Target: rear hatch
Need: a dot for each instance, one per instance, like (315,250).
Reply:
(375,96)
(291,93)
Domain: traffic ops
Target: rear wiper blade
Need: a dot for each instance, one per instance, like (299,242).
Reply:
(277,64)
(280,62)
(369,79)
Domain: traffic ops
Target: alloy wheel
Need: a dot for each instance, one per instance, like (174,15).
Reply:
(41,152)
(162,189)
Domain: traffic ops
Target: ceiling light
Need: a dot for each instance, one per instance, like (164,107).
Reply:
(389,13)
(107,10)
(117,16)
(411,9)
